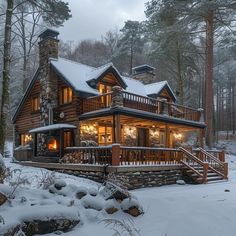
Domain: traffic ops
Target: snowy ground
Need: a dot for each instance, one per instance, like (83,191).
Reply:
(186,210)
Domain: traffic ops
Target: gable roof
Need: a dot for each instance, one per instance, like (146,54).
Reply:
(158,87)
(79,75)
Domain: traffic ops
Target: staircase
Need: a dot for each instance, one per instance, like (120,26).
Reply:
(203,167)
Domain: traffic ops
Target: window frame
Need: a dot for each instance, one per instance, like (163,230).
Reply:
(68,96)
(35,104)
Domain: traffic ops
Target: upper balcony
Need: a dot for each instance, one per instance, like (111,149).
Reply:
(122,98)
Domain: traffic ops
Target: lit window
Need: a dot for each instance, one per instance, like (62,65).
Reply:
(25,139)
(35,104)
(66,95)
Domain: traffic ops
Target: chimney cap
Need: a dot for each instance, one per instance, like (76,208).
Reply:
(48,33)
(143,69)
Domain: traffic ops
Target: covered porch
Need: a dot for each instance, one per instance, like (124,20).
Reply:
(137,129)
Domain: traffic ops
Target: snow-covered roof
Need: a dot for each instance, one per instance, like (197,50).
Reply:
(134,86)
(155,88)
(76,74)
(52,127)
(79,75)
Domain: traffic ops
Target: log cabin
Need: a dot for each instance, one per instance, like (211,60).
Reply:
(70,107)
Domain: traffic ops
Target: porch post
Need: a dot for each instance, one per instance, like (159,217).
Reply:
(116,129)
(200,137)
(61,151)
(35,144)
(167,136)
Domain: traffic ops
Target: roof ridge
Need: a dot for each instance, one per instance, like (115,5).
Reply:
(75,62)
(158,82)
(100,67)
(130,78)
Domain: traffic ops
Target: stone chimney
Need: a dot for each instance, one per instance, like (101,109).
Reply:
(144,73)
(48,49)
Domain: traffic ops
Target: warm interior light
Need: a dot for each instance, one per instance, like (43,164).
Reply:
(52,145)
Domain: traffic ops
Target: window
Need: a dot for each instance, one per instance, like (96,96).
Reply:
(105,100)
(35,104)
(104,135)
(25,139)
(66,95)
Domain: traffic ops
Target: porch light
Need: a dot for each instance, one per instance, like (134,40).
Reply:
(178,136)
(28,138)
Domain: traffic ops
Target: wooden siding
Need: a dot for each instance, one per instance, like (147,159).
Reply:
(27,119)
(70,110)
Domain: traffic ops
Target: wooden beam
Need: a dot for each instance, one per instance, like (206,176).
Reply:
(200,137)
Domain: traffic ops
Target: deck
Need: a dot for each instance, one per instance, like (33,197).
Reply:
(142,166)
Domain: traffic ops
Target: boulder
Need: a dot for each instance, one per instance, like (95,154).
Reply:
(132,207)
(92,203)
(111,210)
(180,182)
(31,228)
(81,192)
(93,192)
(59,184)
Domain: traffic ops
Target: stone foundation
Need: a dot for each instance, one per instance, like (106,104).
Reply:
(132,177)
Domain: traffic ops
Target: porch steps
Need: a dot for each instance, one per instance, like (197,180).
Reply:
(211,175)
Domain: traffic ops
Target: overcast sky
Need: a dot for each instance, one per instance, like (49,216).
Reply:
(93,18)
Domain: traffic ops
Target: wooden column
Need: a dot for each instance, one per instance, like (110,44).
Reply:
(116,134)
(115,155)
(61,150)
(167,136)
(35,144)
(200,137)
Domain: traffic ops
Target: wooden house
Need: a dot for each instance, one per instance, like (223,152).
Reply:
(69,104)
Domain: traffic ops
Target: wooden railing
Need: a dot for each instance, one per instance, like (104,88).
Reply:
(143,103)
(97,102)
(215,164)
(149,156)
(90,155)
(195,164)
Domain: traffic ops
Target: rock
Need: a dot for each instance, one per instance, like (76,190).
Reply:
(81,192)
(132,207)
(52,189)
(59,184)
(111,210)
(134,211)
(112,191)
(93,192)
(226,190)
(3,198)
(92,203)
(180,182)
(31,228)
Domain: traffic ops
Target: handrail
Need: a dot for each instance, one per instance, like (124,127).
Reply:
(221,170)
(205,165)
(210,156)
(189,154)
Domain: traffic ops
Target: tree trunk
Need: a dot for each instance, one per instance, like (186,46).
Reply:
(209,78)
(6,74)
(179,77)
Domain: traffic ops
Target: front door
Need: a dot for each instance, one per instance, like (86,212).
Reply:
(143,134)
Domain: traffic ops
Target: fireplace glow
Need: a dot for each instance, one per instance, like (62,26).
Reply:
(52,145)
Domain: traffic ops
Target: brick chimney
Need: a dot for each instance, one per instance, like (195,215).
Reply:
(144,73)
(48,49)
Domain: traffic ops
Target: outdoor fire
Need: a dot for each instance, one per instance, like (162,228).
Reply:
(52,145)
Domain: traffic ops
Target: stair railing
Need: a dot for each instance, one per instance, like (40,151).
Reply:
(191,161)
(215,165)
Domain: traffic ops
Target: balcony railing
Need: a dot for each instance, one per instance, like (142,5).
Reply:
(142,103)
